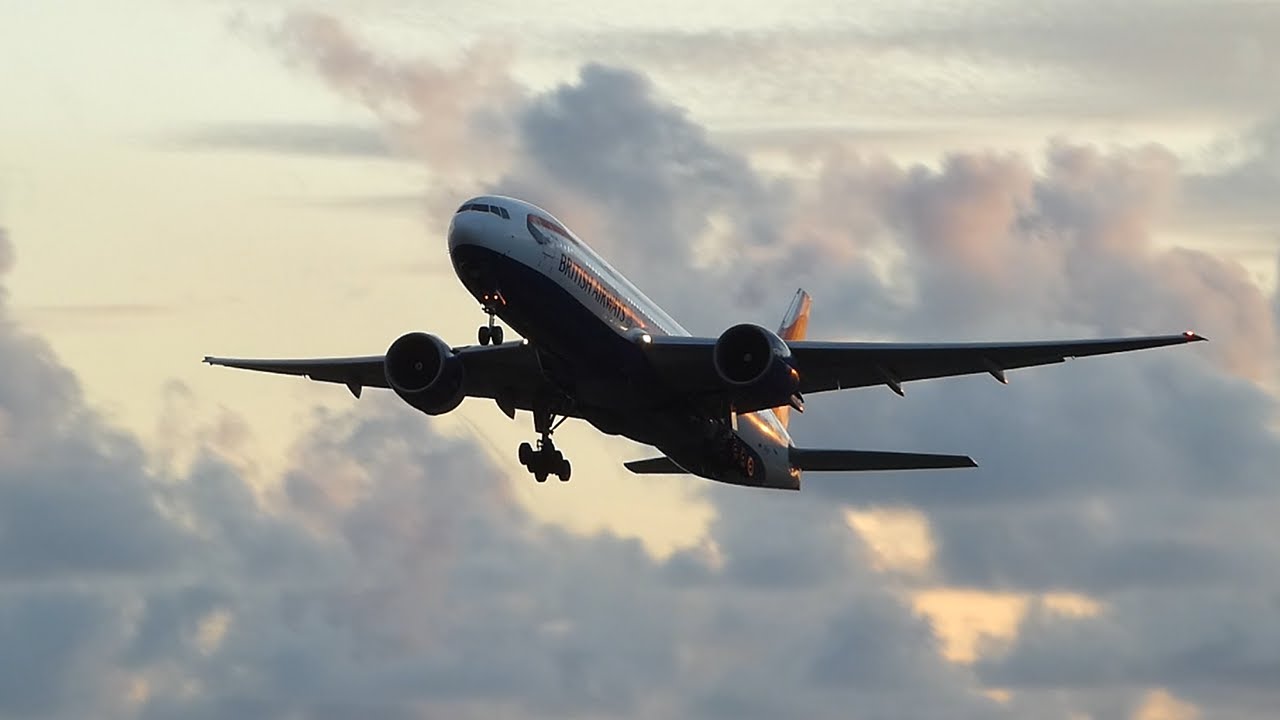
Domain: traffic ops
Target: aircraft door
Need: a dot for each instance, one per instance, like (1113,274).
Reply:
(546,244)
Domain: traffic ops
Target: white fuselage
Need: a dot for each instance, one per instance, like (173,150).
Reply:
(530,243)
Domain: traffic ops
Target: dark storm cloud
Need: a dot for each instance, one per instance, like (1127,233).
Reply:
(312,140)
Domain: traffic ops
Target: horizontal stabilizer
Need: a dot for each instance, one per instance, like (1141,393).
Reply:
(858,460)
(655,466)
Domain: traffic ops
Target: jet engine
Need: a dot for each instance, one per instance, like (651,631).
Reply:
(756,363)
(425,373)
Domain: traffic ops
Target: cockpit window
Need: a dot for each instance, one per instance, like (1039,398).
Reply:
(485,208)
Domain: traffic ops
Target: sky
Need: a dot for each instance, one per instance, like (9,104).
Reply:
(274,178)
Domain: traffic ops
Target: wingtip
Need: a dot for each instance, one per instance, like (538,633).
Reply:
(1192,336)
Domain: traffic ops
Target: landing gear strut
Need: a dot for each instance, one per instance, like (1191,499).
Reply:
(491,333)
(546,460)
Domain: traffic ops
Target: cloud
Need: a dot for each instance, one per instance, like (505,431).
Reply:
(1216,645)
(649,179)
(1189,54)
(48,637)
(1084,61)
(1275,297)
(311,140)
(1238,191)
(456,116)
(6,252)
(71,501)
(1076,243)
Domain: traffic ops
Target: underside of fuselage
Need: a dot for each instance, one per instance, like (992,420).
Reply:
(593,366)
(603,376)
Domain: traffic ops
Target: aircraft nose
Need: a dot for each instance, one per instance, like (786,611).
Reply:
(467,228)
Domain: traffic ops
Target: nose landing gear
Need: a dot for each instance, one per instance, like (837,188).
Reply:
(546,460)
(491,333)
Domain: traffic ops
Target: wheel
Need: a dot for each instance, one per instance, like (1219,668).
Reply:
(557,458)
(540,476)
(565,470)
(496,334)
(525,454)
(483,334)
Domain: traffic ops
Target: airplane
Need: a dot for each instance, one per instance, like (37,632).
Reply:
(596,348)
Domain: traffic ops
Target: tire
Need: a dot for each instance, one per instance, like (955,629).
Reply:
(565,470)
(496,335)
(540,476)
(525,453)
(483,334)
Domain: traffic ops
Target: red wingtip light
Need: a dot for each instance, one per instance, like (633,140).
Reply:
(1191,336)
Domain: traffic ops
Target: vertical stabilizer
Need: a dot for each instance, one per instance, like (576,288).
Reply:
(795,324)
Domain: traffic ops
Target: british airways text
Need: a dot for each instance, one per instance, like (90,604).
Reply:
(579,276)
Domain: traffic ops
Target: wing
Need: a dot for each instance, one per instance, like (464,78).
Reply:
(834,366)
(354,372)
(509,373)
(686,364)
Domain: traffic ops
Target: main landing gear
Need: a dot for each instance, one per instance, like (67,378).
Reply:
(546,460)
(491,333)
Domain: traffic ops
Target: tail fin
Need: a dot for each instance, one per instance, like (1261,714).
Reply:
(795,325)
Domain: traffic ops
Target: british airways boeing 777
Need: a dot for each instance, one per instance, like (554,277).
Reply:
(596,348)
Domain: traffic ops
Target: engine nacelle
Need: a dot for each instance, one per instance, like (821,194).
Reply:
(425,373)
(757,364)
